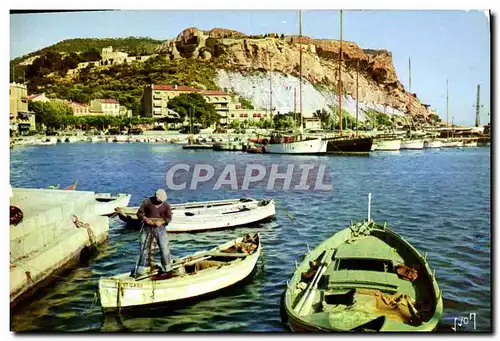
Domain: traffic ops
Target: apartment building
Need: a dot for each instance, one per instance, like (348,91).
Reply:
(109,107)
(21,120)
(78,108)
(155,100)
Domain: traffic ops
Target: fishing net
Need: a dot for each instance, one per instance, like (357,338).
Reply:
(398,307)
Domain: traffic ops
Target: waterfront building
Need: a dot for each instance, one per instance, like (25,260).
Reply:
(21,120)
(110,57)
(107,107)
(155,99)
(78,108)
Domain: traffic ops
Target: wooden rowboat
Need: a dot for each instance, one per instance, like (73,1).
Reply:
(203,273)
(209,215)
(363,278)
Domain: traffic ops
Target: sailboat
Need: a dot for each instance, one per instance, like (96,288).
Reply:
(348,145)
(411,143)
(449,143)
(292,143)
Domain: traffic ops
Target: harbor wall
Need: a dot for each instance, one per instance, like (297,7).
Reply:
(47,240)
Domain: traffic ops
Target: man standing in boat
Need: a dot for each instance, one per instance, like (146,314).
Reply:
(155,213)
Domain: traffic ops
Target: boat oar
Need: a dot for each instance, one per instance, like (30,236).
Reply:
(306,296)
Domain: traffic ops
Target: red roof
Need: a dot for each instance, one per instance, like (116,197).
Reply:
(76,104)
(110,101)
(30,97)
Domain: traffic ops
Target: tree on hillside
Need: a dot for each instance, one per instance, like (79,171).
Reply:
(51,114)
(195,105)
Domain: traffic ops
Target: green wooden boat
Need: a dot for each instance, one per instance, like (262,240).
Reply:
(363,278)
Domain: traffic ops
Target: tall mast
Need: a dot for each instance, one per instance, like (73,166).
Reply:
(409,81)
(270,86)
(357,95)
(295,102)
(477,105)
(340,76)
(300,66)
(447,120)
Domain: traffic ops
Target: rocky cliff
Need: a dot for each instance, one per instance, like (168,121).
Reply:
(237,53)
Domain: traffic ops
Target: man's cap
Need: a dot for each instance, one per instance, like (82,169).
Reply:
(161,195)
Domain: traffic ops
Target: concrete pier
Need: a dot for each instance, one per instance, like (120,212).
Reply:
(47,240)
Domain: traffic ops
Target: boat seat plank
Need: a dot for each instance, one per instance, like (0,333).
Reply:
(366,247)
(356,278)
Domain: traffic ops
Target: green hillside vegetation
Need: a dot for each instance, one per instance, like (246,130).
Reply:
(123,82)
(195,107)
(379,118)
(132,45)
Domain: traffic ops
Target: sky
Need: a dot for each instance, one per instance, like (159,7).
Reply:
(443,45)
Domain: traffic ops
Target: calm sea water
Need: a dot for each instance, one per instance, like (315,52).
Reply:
(439,200)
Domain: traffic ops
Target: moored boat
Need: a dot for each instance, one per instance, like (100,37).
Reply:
(201,273)
(228,146)
(71,139)
(470,143)
(349,145)
(93,139)
(209,215)
(451,144)
(198,146)
(106,203)
(279,143)
(46,142)
(432,144)
(412,144)
(388,145)
(120,138)
(363,278)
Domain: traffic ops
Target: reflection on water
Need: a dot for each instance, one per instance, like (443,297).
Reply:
(437,200)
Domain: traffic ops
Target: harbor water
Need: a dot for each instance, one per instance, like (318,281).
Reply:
(438,200)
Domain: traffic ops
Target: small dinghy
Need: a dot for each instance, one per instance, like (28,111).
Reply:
(202,273)
(107,203)
(209,215)
(363,278)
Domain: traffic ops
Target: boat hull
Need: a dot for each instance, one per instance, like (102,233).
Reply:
(361,312)
(451,144)
(388,145)
(412,144)
(136,294)
(360,146)
(315,146)
(432,144)
(199,218)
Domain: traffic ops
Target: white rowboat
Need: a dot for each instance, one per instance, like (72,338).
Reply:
(203,273)
(209,215)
